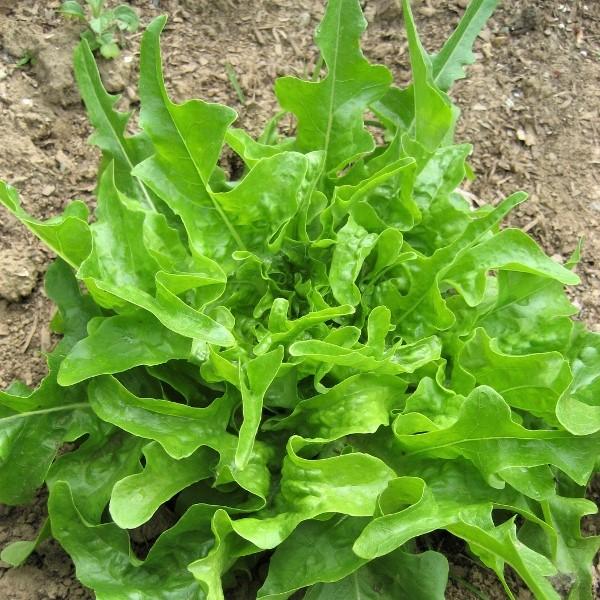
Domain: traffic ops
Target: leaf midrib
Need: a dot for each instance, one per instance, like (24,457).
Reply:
(234,234)
(35,413)
(333,75)
(563,436)
(116,135)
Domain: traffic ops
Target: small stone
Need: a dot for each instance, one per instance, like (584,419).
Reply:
(526,135)
(48,190)
(304,20)
(427,11)
(18,275)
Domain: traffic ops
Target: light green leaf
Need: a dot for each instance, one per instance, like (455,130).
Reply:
(448,64)
(185,157)
(181,429)
(16,553)
(315,551)
(532,382)
(573,553)
(34,425)
(578,409)
(105,562)
(121,270)
(330,112)
(485,434)
(68,235)
(472,522)
(110,125)
(255,378)
(110,50)
(92,470)
(226,550)
(398,576)
(127,17)
(530,314)
(71,8)
(359,404)
(354,243)
(422,310)
(136,498)
(510,249)
(265,201)
(405,358)
(347,484)
(120,343)
(433,111)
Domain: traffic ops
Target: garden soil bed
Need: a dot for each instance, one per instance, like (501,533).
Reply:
(531,107)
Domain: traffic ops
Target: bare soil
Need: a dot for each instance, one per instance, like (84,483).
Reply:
(531,107)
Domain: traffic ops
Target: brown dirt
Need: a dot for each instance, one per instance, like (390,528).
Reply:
(530,106)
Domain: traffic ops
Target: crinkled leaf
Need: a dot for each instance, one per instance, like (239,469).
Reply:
(255,378)
(120,343)
(578,409)
(134,499)
(399,576)
(185,157)
(485,434)
(105,562)
(359,404)
(532,382)
(316,551)
(331,289)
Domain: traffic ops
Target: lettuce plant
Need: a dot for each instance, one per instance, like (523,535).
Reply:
(300,375)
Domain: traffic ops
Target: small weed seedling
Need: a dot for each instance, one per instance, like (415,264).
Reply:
(27,59)
(104,24)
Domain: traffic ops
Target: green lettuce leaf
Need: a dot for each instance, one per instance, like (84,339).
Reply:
(330,112)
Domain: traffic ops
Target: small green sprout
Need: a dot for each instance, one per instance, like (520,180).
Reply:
(27,58)
(104,25)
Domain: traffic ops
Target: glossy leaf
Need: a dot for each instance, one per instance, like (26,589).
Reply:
(400,575)
(432,109)
(533,382)
(316,551)
(330,112)
(120,343)
(106,564)
(485,434)
(16,553)
(134,499)
(255,380)
(448,64)
(185,157)
(67,235)
(124,151)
